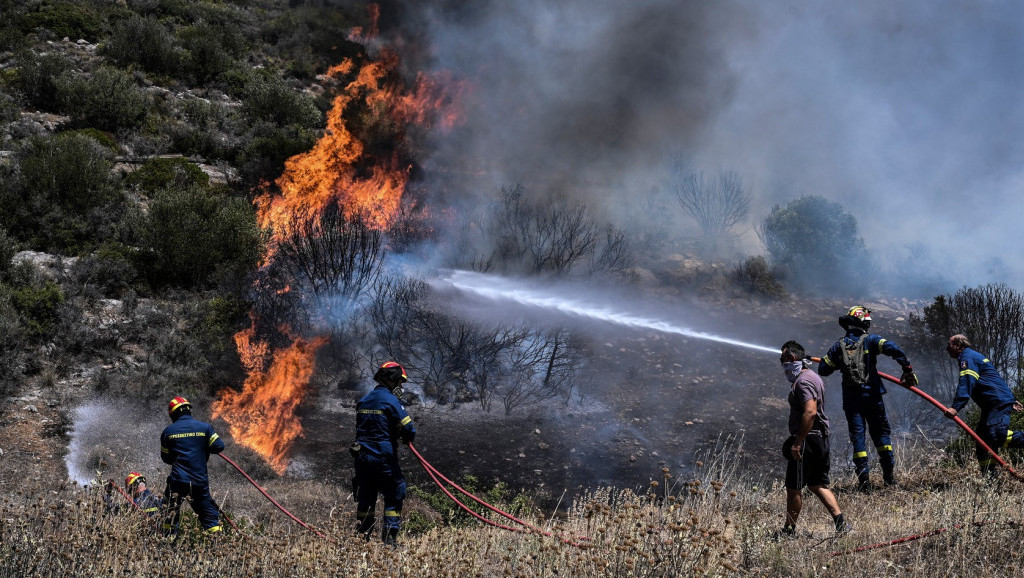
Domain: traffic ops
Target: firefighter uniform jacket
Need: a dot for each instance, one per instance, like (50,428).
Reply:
(380,422)
(187,444)
(980,381)
(148,502)
(874,345)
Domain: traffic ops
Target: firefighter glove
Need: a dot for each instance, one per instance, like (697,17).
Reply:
(908,379)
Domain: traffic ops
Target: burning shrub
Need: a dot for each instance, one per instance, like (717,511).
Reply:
(333,256)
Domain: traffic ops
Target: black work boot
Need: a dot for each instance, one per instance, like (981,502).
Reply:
(864,482)
(842,526)
(888,477)
(391,537)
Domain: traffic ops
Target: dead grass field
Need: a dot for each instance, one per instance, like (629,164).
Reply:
(717,522)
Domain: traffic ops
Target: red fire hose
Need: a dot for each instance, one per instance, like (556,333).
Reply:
(126,496)
(528,528)
(907,539)
(957,419)
(273,501)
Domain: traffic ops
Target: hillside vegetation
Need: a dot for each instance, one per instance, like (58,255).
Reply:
(139,140)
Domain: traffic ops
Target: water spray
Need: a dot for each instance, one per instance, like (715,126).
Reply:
(497,288)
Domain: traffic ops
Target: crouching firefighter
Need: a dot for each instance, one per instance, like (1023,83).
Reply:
(186,444)
(143,497)
(856,357)
(380,422)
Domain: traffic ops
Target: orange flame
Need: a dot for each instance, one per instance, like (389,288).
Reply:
(336,171)
(262,415)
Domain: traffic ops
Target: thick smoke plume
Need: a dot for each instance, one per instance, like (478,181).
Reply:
(905,113)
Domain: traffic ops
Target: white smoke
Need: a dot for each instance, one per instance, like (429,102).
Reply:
(906,113)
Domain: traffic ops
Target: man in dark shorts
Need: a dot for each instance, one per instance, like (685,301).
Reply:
(807,447)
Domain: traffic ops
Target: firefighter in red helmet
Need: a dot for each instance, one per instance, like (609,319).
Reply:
(186,445)
(381,422)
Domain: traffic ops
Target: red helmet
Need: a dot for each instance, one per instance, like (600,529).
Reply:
(134,478)
(176,404)
(391,372)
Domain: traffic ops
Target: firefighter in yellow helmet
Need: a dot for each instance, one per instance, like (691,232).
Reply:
(856,357)
(144,498)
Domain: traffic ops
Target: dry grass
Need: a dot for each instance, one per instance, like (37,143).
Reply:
(714,523)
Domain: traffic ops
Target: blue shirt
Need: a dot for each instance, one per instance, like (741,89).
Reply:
(874,345)
(380,421)
(980,381)
(187,444)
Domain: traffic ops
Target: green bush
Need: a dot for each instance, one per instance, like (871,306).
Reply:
(104,138)
(11,36)
(203,130)
(10,110)
(266,149)
(268,98)
(817,243)
(144,42)
(161,173)
(8,248)
(108,100)
(311,39)
(65,19)
(210,51)
(220,318)
(194,238)
(12,356)
(755,275)
(38,307)
(109,271)
(62,198)
(70,170)
(38,76)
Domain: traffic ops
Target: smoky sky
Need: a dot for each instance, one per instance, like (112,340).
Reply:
(908,113)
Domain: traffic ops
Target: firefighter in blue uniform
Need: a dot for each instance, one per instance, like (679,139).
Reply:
(380,422)
(144,498)
(980,381)
(186,444)
(856,357)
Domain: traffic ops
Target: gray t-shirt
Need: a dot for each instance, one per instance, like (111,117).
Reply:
(808,386)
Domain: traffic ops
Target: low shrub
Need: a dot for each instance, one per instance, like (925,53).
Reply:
(144,42)
(65,19)
(38,307)
(191,237)
(107,100)
(755,275)
(38,77)
(161,173)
